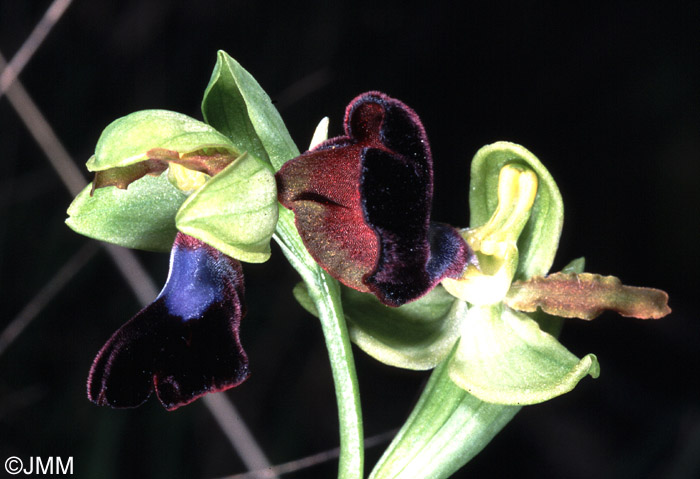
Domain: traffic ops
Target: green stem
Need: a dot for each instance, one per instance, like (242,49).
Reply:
(325,294)
(446,429)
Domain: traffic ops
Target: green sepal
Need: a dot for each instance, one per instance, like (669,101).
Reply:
(128,139)
(445,430)
(235,211)
(417,335)
(141,217)
(538,242)
(235,104)
(504,357)
(575,266)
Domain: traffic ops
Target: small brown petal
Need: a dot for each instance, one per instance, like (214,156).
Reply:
(586,296)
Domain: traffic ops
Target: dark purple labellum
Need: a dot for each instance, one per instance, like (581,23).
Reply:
(183,345)
(362,204)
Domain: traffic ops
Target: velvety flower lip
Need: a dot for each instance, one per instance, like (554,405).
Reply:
(362,204)
(183,345)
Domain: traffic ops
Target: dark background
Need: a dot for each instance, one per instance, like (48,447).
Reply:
(606,96)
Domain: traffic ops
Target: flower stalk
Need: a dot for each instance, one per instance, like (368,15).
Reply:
(325,294)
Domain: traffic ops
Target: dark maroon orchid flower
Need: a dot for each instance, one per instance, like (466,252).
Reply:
(183,345)
(362,204)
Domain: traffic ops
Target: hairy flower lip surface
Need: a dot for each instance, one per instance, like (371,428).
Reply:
(362,204)
(183,345)
(586,296)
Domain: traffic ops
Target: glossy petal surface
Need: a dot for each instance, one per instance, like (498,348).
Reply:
(184,344)
(362,204)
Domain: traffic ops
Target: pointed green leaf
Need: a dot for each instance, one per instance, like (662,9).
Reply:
(141,217)
(417,335)
(301,294)
(504,357)
(127,140)
(235,211)
(538,242)
(446,429)
(575,266)
(235,104)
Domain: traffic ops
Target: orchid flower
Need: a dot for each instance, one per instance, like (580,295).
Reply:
(483,320)
(478,305)
(165,181)
(362,204)
(185,343)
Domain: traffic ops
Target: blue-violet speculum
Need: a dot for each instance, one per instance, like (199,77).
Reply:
(185,343)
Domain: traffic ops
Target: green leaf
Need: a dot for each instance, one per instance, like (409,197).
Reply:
(141,217)
(235,104)
(127,140)
(538,242)
(446,429)
(417,335)
(301,294)
(504,357)
(575,266)
(235,211)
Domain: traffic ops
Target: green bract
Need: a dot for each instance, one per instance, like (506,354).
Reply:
(127,140)
(235,211)
(446,429)
(236,105)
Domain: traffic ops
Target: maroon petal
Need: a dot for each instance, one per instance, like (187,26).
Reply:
(362,204)
(184,344)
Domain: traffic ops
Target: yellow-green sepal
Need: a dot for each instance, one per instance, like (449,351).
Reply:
(417,335)
(235,211)
(140,217)
(127,140)
(504,357)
